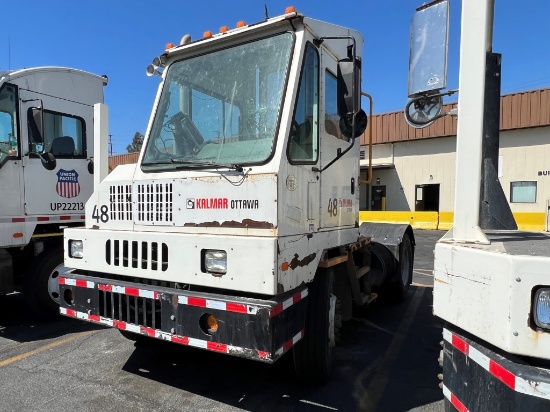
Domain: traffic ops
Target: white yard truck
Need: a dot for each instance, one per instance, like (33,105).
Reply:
(46,142)
(491,281)
(237,231)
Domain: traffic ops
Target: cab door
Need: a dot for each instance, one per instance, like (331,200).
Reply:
(339,195)
(301,193)
(68,131)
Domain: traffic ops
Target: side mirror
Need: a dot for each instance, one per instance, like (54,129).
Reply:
(48,160)
(428,49)
(348,86)
(35,116)
(349,98)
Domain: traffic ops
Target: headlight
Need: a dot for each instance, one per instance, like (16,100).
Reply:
(76,249)
(215,261)
(541,306)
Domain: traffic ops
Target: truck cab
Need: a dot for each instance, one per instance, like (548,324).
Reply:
(244,202)
(46,146)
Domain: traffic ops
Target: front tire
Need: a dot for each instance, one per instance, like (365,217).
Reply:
(41,282)
(313,354)
(404,268)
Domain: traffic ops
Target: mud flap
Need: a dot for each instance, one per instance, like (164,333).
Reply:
(6,273)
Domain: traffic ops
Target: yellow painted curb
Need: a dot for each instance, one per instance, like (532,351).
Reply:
(444,220)
(418,220)
(530,220)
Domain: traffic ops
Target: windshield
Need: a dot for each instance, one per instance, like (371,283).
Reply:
(220,108)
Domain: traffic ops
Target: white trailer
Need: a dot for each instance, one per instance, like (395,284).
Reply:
(237,231)
(46,146)
(491,284)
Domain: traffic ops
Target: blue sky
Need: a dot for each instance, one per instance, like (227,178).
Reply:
(119,38)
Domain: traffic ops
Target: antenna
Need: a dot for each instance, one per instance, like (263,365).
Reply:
(266,13)
(9,54)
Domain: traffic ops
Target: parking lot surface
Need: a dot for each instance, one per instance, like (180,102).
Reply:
(387,361)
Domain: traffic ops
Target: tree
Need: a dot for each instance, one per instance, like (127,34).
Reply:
(137,142)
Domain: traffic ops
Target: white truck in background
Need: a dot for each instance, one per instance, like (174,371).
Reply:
(491,281)
(237,231)
(46,146)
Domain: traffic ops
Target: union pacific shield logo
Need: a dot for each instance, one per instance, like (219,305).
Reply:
(67,183)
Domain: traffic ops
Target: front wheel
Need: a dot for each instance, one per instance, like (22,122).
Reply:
(405,268)
(41,282)
(313,355)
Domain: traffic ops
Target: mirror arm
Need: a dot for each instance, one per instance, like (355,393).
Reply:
(340,154)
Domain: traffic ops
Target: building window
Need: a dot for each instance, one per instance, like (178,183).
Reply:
(523,192)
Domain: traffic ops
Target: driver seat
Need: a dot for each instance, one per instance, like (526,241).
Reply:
(63,146)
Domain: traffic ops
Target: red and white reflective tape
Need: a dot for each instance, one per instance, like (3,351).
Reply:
(34,219)
(155,333)
(287,303)
(124,290)
(454,400)
(189,300)
(76,282)
(289,343)
(516,383)
(218,304)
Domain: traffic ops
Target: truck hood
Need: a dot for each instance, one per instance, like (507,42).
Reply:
(196,202)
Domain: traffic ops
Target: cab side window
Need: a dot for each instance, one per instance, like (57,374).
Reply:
(331,110)
(9,142)
(304,133)
(64,136)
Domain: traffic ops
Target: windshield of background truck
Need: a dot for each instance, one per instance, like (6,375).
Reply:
(220,108)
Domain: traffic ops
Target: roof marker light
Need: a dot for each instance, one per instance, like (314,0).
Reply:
(290,9)
(224,29)
(241,23)
(207,34)
(169,46)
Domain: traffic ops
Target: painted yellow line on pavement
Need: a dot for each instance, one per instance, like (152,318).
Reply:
(421,285)
(45,347)
(370,396)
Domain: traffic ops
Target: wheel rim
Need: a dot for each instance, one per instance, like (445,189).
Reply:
(331,322)
(53,284)
(405,264)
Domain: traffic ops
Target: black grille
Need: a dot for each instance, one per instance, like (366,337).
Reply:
(136,254)
(131,309)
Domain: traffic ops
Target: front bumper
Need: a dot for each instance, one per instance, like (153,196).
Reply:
(251,328)
(475,378)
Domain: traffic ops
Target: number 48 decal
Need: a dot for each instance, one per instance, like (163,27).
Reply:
(333,207)
(101,214)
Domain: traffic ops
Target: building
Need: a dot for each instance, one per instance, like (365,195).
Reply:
(122,159)
(414,169)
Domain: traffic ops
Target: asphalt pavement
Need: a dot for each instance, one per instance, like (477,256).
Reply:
(386,361)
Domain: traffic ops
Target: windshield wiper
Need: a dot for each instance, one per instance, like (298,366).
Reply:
(236,167)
